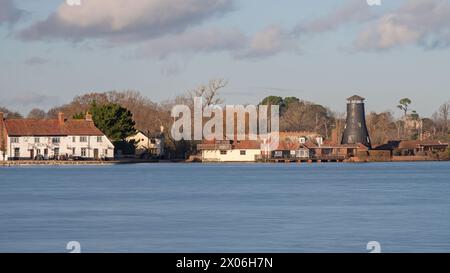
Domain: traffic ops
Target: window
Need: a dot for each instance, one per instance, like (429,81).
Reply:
(56,140)
(99,139)
(16,152)
(106,152)
(37,140)
(14,140)
(74,139)
(83,139)
(38,151)
(56,152)
(223,152)
(74,151)
(243,152)
(83,151)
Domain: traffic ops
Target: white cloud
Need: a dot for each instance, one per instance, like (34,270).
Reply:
(118,20)
(352,11)
(268,42)
(197,41)
(417,22)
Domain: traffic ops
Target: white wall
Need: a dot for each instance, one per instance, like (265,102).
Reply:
(25,144)
(231,156)
(145,144)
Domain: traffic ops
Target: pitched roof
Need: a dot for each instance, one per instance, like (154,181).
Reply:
(287,146)
(247,145)
(50,127)
(409,144)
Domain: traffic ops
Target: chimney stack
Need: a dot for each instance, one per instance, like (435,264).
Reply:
(88,116)
(61,119)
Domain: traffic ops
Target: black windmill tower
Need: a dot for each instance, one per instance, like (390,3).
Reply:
(355,127)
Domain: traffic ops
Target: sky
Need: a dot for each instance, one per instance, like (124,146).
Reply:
(321,51)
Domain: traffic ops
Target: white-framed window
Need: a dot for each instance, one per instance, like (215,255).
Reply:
(14,140)
(83,152)
(56,152)
(223,152)
(37,140)
(74,139)
(99,139)
(16,152)
(56,140)
(243,152)
(83,139)
(106,152)
(74,151)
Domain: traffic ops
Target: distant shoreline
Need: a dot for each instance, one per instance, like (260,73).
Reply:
(121,162)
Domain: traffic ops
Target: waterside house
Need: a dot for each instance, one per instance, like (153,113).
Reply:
(56,139)
(148,144)
(416,149)
(230,151)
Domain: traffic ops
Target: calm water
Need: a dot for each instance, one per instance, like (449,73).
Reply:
(226,208)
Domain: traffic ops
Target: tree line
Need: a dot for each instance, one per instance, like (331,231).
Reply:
(120,113)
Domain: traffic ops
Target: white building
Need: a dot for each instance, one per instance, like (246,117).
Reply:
(146,142)
(42,139)
(230,151)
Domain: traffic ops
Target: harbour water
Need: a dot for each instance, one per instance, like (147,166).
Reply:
(329,207)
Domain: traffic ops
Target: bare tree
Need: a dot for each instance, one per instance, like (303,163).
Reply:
(210,92)
(10,114)
(443,113)
(37,113)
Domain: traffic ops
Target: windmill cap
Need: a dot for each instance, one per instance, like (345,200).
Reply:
(356,97)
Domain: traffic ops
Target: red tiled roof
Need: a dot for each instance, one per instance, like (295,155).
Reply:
(50,127)
(297,134)
(82,128)
(247,145)
(287,146)
(411,144)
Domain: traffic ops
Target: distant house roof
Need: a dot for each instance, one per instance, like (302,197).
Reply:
(229,145)
(297,134)
(288,146)
(356,97)
(410,144)
(247,145)
(151,134)
(50,127)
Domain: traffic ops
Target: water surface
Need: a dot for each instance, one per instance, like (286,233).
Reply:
(226,207)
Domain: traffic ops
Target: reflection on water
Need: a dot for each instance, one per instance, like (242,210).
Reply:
(226,208)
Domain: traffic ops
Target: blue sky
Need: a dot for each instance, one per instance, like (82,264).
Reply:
(322,51)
